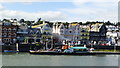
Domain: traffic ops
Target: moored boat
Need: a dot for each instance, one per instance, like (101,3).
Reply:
(10,51)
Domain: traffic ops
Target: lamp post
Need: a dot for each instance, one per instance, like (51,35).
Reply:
(114,48)
(51,42)
(115,44)
(46,44)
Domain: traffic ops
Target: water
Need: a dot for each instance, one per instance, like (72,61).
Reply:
(26,59)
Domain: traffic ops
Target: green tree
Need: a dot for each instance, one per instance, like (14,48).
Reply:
(80,23)
(22,21)
(108,23)
(118,23)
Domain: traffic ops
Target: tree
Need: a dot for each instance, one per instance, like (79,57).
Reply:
(118,23)
(28,23)
(5,20)
(15,19)
(22,21)
(74,22)
(108,23)
(80,23)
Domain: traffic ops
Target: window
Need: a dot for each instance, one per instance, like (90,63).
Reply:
(37,40)
(44,33)
(61,27)
(0,40)
(14,40)
(5,35)
(0,29)
(5,29)
(82,34)
(14,35)
(61,31)
(0,34)
(76,37)
(9,35)
(9,40)
(4,40)
(14,29)
(9,29)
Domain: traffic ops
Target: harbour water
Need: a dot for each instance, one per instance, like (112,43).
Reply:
(26,59)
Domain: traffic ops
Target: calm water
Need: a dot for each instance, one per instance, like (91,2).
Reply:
(25,59)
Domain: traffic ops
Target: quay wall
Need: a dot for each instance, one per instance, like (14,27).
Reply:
(27,47)
(105,47)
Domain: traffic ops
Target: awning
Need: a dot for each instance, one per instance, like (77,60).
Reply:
(79,47)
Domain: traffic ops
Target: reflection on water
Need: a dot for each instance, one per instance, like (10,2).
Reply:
(26,59)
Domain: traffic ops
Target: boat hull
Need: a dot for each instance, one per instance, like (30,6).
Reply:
(80,53)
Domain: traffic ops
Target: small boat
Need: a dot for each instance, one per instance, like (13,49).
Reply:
(10,51)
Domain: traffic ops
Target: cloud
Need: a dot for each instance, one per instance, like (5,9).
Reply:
(78,2)
(94,10)
(36,0)
(84,10)
(47,15)
(1,7)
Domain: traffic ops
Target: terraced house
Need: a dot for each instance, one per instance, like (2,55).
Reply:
(85,35)
(69,32)
(46,33)
(8,33)
(98,33)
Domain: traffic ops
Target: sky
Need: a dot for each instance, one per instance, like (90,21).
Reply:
(67,11)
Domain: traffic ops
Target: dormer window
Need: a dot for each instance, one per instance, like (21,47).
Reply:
(61,27)
(9,29)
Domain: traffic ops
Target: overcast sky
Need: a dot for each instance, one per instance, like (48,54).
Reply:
(61,10)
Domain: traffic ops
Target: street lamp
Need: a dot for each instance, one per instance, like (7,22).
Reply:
(46,44)
(115,47)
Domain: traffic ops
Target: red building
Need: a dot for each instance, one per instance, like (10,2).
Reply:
(8,33)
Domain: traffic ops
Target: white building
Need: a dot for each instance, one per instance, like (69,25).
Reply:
(112,28)
(67,32)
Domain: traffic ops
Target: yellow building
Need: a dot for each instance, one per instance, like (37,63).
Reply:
(95,27)
(46,31)
(85,34)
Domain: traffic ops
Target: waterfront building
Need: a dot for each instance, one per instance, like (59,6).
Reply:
(98,33)
(34,35)
(22,33)
(9,33)
(112,28)
(70,31)
(85,34)
(46,33)
(114,36)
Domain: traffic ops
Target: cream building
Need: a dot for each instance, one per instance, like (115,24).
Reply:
(67,32)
